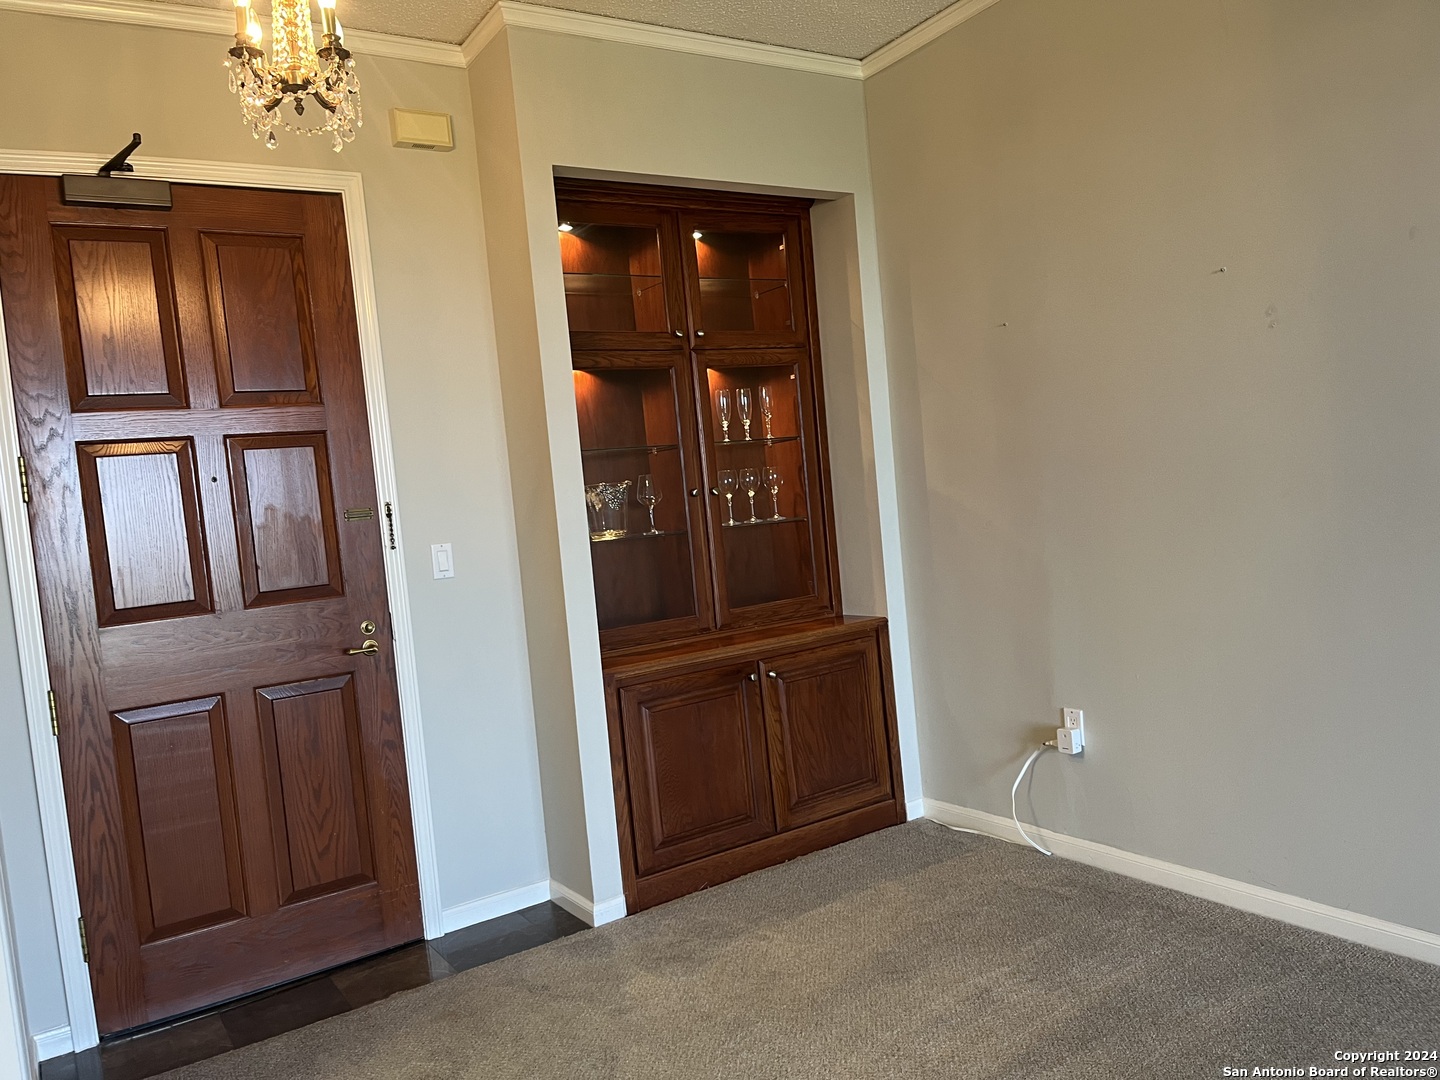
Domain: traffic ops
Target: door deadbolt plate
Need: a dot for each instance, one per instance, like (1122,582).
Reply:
(367,627)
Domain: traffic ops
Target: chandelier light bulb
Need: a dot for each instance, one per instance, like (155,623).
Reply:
(300,87)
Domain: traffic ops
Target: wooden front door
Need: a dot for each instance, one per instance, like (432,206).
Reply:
(202,501)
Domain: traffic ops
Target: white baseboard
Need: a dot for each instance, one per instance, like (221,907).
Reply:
(52,1043)
(606,911)
(493,906)
(915,808)
(1296,910)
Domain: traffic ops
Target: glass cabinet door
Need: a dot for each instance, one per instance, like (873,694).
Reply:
(646,526)
(622,278)
(744,283)
(765,486)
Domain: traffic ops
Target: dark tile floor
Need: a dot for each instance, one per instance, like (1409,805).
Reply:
(264,1015)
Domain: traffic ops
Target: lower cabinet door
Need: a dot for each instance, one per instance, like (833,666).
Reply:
(829,752)
(695,759)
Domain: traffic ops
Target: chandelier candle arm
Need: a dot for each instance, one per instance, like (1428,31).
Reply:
(294,71)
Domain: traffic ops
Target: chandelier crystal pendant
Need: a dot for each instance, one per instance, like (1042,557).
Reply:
(295,75)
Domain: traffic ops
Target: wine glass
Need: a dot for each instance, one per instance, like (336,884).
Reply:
(728,486)
(742,406)
(722,405)
(773,480)
(647,494)
(750,481)
(767,407)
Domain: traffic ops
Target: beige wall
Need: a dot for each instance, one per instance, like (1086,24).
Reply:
(1200,505)
(583,106)
(442,383)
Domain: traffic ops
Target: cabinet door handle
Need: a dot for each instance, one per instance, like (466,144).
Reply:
(699,333)
(679,333)
(714,491)
(694,492)
(772,674)
(753,677)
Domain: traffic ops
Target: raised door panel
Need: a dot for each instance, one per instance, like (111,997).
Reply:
(825,716)
(177,795)
(311,736)
(260,311)
(284,518)
(142,518)
(695,757)
(116,303)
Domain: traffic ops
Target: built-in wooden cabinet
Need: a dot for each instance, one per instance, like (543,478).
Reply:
(702,438)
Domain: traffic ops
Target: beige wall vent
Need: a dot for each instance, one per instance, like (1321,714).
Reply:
(416,130)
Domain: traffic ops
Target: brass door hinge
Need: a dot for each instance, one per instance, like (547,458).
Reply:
(54,714)
(24,482)
(84,941)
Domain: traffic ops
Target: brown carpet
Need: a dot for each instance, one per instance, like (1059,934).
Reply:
(915,952)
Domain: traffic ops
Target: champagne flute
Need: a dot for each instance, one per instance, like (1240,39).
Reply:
(742,406)
(767,407)
(722,405)
(728,486)
(773,480)
(647,494)
(750,481)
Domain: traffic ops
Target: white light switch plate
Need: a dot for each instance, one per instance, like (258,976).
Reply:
(442,559)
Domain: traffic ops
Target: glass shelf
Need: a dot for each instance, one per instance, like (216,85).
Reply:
(761,521)
(776,441)
(654,448)
(643,534)
(576,282)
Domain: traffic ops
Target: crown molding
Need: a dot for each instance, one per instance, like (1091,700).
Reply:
(578,24)
(530,16)
(918,37)
(215,21)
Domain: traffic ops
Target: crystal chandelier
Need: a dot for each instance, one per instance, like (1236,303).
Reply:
(294,72)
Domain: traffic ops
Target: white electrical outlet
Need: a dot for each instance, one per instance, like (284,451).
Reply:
(1070,736)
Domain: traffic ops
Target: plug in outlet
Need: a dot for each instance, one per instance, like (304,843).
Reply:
(1070,736)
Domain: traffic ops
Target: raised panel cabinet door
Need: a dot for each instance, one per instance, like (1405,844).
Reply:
(193,421)
(825,717)
(696,765)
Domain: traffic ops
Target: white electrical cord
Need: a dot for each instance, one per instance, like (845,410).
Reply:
(1014,813)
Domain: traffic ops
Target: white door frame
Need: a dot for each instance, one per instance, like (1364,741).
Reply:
(25,594)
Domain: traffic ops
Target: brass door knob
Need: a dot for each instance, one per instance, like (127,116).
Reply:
(369,647)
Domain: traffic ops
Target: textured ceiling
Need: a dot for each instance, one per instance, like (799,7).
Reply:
(853,28)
